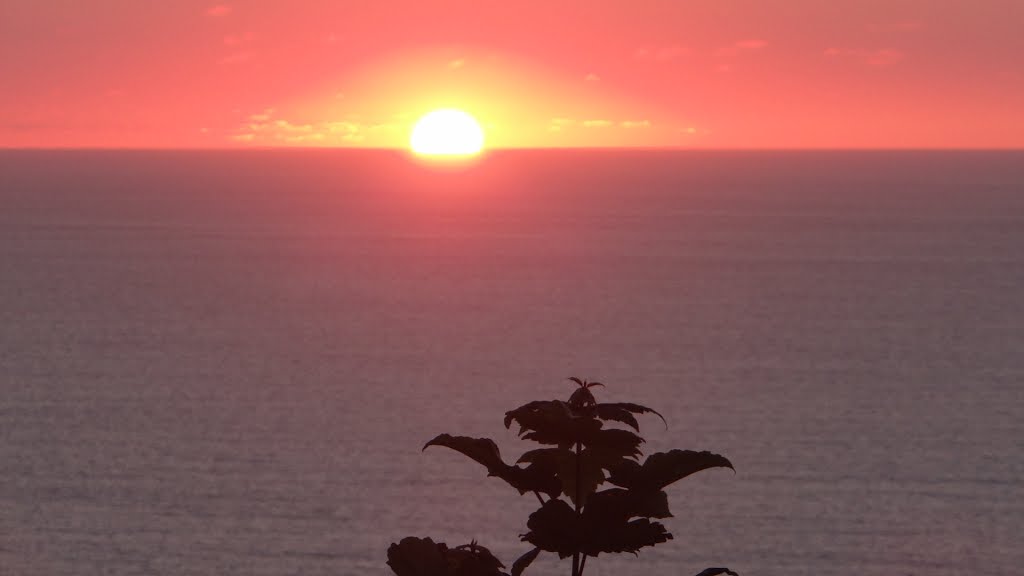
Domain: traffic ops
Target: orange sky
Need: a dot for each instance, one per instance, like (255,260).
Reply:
(707,73)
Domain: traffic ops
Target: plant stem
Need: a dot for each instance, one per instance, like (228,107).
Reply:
(582,564)
(577,569)
(539,499)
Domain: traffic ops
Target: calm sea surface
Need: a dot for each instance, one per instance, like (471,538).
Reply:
(226,363)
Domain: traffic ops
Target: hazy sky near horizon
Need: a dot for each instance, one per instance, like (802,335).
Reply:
(695,73)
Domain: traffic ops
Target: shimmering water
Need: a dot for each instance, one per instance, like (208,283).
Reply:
(225,363)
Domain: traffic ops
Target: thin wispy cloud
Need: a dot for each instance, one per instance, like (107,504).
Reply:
(881,58)
(262,116)
(560,124)
(267,128)
(219,10)
(237,39)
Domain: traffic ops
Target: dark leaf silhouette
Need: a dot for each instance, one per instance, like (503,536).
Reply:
(623,537)
(524,561)
(534,478)
(586,475)
(623,412)
(664,468)
(616,414)
(717,571)
(417,557)
(582,398)
(483,450)
(609,523)
(546,456)
(424,557)
(552,422)
(555,527)
(617,504)
(610,447)
(532,413)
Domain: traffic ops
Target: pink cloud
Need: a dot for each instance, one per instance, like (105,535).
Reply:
(748,45)
(218,10)
(236,39)
(752,44)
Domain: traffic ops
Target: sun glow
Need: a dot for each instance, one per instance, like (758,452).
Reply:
(447,132)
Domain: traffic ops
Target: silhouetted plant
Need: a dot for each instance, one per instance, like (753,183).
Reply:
(580,454)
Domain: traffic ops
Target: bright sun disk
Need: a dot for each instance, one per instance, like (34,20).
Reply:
(447,132)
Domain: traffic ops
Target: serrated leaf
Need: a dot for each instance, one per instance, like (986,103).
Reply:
(616,414)
(424,557)
(555,527)
(527,412)
(417,557)
(552,422)
(664,468)
(628,407)
(524,561)
(610,447)
(628,537)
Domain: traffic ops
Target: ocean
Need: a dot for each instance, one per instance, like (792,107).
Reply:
(227,362)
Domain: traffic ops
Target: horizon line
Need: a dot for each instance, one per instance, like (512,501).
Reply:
(487,151)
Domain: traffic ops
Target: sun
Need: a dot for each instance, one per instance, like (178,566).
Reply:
(447,132)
